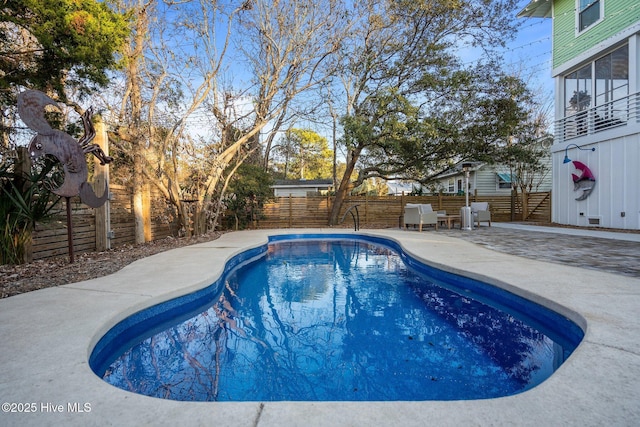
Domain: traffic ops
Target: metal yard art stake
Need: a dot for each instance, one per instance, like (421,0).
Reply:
(69,152)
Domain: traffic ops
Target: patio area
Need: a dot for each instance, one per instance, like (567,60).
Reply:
(48,335)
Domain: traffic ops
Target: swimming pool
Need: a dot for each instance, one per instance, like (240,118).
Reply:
(397,338)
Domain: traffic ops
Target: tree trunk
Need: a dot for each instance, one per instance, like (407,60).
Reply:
(524,195)
(341,193)
(134,76)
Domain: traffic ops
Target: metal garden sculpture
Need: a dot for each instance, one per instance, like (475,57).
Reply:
(586,181)
(69,152)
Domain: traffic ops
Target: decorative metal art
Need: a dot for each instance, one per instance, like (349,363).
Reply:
(586,181)
(69,152)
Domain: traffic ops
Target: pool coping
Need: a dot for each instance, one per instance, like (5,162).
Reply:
(47,337)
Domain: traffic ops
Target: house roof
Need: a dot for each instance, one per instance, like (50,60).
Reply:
(457,169)
(536,9)
(279,183)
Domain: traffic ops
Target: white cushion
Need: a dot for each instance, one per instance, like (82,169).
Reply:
(479,206)
(422,207)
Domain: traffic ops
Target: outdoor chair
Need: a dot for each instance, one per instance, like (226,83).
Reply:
(420,214)
(481,213)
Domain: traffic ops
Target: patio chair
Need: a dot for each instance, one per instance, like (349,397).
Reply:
(420,214)
(481,213)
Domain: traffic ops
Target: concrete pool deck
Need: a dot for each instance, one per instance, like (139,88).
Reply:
(47,336)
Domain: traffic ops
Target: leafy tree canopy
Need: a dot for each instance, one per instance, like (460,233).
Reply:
(249,189)
(487,114)
(408,93)
(304,154)
(50,44)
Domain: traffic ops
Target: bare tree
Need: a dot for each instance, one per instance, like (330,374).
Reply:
(174,63)
(188,119)
(289,47)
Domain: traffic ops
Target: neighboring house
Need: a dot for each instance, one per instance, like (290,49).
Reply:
(301,187)
(398,187)
(484,180)
(596,67)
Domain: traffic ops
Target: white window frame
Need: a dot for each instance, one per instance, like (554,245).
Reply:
(595,105)
(593,24)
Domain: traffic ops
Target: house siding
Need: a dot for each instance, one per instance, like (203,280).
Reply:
(568,44)
(615,200)
(487,182)
(484,181)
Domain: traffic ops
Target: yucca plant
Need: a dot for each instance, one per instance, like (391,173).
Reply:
(25,199)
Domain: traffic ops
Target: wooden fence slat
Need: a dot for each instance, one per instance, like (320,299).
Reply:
(286,212)
(50,239)
(303,212)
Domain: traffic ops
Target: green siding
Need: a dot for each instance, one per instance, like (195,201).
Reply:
(618,15)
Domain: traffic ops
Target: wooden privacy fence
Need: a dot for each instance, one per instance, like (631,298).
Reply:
(98,229)
(90,226)
(303,212)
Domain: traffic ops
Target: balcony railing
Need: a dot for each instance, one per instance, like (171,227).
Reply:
(621,112)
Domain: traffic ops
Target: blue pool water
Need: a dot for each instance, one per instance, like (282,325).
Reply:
(331,318)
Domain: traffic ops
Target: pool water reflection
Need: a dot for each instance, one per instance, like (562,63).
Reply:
(341,320)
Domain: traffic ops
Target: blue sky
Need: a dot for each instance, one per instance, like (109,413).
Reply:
(528,55)
(532,49)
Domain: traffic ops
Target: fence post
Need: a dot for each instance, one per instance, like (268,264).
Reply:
(101,177)
(146,210)
(525,206)
(290,211)
(366,208)
(328,208)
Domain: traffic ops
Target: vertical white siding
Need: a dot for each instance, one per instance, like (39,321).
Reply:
(616,166)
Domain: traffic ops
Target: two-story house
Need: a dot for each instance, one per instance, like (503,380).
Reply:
(596,150)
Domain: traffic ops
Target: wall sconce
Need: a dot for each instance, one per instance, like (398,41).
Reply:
(567,159)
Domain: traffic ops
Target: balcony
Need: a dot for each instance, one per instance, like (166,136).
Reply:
(619,113)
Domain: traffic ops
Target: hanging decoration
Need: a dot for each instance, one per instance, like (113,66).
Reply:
(586,181)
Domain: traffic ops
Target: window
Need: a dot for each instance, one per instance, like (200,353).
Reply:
(504,180)
(577,92)
(595,96)
(612,76)
(589,12)
(612,88)
(451,186)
